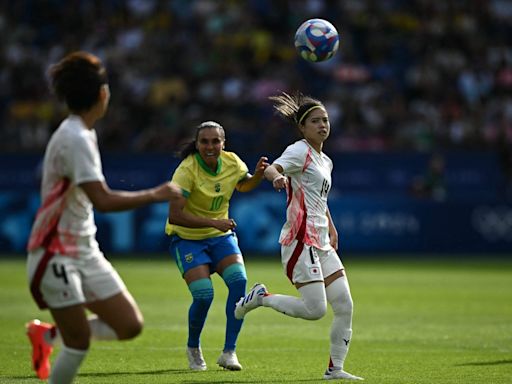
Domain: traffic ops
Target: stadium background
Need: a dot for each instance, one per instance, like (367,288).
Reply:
(415,84)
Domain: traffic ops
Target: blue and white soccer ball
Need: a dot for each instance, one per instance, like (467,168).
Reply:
(316,40)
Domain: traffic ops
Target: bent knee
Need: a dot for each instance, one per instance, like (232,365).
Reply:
(343,307)
(131,330)
(348,306)
(317,311)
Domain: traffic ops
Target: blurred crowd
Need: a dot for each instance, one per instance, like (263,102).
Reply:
(416,75)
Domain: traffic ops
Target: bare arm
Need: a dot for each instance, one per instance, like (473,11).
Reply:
(333,233)
(252,181)
(178,216)
(273,173)
(106,200)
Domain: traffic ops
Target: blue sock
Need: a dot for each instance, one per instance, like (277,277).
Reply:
(236,280)
(202,297)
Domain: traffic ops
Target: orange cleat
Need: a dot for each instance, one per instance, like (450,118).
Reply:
(41,350)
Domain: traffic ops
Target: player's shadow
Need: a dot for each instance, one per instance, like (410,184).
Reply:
(173,371)
(185,371)
(223,381)
(482,363)
(106,374)
(134,373)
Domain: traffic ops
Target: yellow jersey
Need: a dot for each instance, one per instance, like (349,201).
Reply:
(207,192)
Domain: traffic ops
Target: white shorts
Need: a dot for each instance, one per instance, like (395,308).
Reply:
(58,281)
(303,263)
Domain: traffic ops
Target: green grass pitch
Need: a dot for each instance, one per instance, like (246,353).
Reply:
(416,321)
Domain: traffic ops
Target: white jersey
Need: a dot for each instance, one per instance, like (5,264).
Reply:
(309,182)
(66,214)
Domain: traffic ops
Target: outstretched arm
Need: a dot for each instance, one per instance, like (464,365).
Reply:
(252,181)
(106,200)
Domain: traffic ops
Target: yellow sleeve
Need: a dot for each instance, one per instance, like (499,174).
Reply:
(242,168)
(184,178)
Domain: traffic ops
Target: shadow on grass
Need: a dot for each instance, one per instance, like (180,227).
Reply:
(106,374)
(222,379)
(482,363)
(251,381)
(134,373)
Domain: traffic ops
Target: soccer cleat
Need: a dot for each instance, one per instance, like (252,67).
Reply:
(195,359)
(41,350)
(252,300)
(229,360)
(337,374)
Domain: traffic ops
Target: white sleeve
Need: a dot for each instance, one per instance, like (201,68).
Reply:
(84,161)
(293,157)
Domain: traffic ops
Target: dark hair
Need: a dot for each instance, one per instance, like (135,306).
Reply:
(77,80)
(190,146)
(295,108)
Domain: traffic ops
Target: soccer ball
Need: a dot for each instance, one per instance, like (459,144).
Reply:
(316,40)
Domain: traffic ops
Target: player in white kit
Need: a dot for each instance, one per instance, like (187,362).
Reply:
(67,272)
(309,239)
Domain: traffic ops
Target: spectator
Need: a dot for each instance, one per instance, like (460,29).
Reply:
(200,56)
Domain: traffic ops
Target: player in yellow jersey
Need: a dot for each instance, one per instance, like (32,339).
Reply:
(202,237)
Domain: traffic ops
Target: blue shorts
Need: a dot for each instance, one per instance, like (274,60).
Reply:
(191,253)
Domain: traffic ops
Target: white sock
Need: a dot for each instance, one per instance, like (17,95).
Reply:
(312,304)
(66,365)
(338,295)
(101,330)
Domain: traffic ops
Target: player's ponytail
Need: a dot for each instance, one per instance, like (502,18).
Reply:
(295,108)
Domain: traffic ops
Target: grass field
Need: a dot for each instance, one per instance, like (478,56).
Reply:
(420,321)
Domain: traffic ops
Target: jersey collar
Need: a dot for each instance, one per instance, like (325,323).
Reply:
(206,168)
(313,149)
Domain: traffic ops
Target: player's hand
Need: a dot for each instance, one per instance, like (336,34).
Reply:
(280,182)
(225,225)
(167,191)
(261,166)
